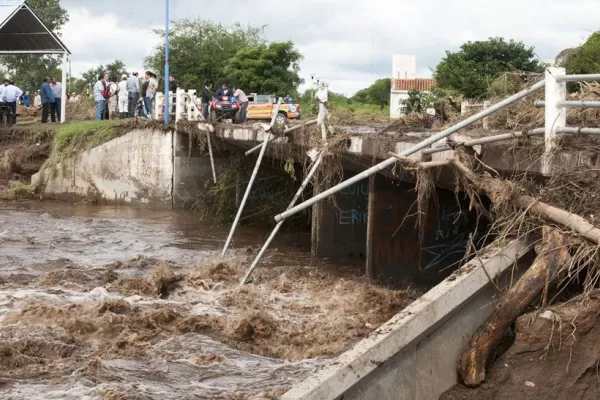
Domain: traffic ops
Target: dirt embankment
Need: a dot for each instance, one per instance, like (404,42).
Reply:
(555,356)
(23,150)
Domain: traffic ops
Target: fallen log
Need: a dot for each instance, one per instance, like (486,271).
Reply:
(490,186)
(420,164)
(552,254)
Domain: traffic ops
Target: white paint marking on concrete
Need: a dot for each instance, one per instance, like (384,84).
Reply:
(407,327)
(356,144)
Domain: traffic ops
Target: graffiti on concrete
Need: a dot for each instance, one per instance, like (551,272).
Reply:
(358,189)
(353,217)
(451,239)
(442,251)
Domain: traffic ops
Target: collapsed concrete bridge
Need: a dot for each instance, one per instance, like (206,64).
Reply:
(372,219)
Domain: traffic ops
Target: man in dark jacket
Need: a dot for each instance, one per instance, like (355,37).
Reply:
(172,89)
(206,96)
(47,99)
(224,91)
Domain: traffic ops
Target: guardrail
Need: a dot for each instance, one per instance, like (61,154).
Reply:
(183,105)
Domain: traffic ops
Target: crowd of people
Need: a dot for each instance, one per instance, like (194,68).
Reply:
(129,97)
(48,98)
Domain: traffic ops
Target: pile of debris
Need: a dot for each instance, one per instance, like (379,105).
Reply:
(559,216)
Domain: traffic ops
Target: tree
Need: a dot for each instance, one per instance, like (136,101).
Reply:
(115,70)
(29,70)
(470,70)
(585,59)
(417,101)
(378,93)
(267,69)
(199,50)
(362,96)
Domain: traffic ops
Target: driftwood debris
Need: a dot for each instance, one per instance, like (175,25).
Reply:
(420,165)
(552,254)
(490,186)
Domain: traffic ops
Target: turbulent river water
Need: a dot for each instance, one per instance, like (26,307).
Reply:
(122,303)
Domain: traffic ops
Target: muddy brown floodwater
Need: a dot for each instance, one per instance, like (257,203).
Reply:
(119,303)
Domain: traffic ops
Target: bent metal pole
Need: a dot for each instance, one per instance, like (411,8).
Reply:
(276,229)
(253,177)
(392,160)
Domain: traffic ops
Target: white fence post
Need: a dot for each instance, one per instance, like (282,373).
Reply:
(463,107)
(179,104)
(555,117)
(486,125)
(159,98)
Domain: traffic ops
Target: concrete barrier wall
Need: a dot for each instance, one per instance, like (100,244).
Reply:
(192,171)
(414,355)
(134,168)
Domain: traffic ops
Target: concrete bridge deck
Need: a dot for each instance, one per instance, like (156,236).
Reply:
(365,146)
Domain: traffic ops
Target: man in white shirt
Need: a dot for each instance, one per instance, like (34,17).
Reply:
(37,100)
(10,96)
(99,99)
(55,108)
(133,90)
(113,102)
(123,98)
(243,100)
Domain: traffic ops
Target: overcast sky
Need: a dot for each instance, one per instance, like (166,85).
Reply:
(347,42)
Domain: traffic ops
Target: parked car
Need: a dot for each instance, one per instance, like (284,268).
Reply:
(260,107)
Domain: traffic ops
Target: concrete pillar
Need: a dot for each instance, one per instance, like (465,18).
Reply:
(369,250)
(555,117)
(339,228)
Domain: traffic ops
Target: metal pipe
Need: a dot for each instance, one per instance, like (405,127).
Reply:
(252,178)
(578,78)
(578,104)
(486,140)
(276,229)
(427,142)
(289,130)
(584,131)
(167,66)
(571,104)
(212,160)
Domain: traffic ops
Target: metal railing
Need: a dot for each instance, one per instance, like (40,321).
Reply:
(555,104)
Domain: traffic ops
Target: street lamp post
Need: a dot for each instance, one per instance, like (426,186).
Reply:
(167,66)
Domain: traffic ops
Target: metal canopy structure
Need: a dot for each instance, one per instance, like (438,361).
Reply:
(23,32)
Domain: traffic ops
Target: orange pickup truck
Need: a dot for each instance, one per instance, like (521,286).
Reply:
(261,107)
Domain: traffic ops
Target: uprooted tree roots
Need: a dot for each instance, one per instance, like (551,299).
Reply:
(567,243)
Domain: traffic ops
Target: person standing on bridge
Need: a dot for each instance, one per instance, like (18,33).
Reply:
(206,97)
(99,99)
(10,96)
(47,99)
(243,100)
(150,91)
(123,98)
(55,109)
(133,93)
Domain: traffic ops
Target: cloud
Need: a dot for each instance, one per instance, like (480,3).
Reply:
(100,39)
(349,43)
